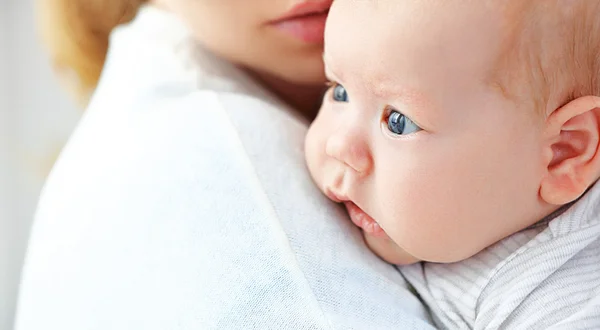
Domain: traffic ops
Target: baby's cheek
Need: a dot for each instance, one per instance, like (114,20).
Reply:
(313,152)
(389,251)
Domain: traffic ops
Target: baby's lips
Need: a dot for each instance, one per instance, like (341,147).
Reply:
(377,231)
(361,219)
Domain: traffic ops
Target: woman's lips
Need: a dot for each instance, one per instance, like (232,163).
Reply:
(310,29)
(361,219)
(305,22)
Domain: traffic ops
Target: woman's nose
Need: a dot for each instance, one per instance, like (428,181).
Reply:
(350,147)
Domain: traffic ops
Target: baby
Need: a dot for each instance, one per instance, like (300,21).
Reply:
(466,134)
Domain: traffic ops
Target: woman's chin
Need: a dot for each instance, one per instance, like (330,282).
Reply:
(389,251)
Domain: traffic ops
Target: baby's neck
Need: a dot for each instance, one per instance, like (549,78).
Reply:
(556,213)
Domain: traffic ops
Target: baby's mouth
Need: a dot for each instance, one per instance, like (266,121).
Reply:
(361,219)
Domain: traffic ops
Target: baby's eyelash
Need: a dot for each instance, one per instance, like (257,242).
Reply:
(331,84)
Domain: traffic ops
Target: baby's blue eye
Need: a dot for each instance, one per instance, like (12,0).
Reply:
(400,124)
(340,94)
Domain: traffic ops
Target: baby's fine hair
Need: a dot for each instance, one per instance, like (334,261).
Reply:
(552,52)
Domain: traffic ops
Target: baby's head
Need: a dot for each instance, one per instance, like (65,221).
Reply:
(454,124)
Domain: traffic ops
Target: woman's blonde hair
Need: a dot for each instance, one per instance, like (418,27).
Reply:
(76,33)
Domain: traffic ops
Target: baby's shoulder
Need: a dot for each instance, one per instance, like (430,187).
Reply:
(534,279)
(552,279)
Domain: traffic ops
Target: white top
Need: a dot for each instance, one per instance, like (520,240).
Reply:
(546,277)
(182,202)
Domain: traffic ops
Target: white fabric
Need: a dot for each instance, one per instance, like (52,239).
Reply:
(182,202)
(546,277)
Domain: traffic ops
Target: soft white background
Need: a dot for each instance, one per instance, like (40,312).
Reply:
(36,117)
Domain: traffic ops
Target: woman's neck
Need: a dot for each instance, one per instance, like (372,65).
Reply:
(306,99)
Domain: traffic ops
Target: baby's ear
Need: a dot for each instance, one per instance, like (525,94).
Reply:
(573,149)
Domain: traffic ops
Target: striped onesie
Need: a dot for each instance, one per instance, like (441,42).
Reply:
(546,277)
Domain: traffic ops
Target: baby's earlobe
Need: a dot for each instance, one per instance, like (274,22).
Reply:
(573,133)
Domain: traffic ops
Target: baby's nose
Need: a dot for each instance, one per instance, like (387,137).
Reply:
(350,147)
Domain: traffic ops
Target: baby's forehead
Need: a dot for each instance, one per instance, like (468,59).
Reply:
(378,38)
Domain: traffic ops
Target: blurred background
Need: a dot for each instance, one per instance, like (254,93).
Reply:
(36,118)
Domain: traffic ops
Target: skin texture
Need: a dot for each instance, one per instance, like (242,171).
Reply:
(239,31)
(483,166)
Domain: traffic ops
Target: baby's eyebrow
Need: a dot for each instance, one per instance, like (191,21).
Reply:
(332,75)
(389,89)
(383,86)
(328,69)
(421,106)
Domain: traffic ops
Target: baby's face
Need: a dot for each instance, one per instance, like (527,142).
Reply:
(431,160)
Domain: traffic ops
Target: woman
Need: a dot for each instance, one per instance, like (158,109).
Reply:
(182,201)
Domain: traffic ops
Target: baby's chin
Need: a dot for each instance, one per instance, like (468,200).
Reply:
(389,251)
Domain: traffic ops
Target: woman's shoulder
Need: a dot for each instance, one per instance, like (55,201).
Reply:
(210,212)
(165,110)
(164,99)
